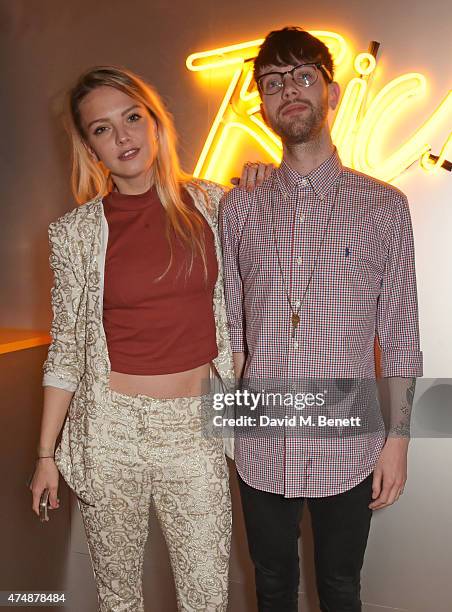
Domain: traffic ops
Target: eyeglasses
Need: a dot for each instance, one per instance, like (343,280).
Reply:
(303,75)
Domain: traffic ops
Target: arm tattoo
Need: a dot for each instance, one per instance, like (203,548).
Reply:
(401,395)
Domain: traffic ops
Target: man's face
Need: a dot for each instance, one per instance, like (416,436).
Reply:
(296,113)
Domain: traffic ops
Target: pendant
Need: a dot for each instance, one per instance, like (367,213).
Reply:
(295,321)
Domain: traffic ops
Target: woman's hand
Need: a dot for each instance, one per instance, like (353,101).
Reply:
(56,406)
(46,476)
(253,175)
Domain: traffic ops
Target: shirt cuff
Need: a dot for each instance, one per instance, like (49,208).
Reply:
(402,363)
(50,380)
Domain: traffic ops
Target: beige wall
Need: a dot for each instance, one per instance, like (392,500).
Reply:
(46,44)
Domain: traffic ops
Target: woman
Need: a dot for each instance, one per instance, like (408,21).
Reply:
(139,318)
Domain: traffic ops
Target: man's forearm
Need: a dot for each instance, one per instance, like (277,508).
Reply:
(397,394)
(239,364)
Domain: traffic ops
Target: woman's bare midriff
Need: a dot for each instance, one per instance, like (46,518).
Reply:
(191,383)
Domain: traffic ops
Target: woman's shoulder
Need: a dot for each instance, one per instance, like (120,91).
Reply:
(78,218)
(209,191)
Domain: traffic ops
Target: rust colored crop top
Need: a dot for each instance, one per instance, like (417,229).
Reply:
(155,326)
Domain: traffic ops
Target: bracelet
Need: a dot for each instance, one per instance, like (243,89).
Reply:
(46,457)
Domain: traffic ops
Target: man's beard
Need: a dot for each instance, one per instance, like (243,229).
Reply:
(304,127)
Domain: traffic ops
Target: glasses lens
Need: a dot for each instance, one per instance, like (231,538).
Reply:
(271,83)
(305,75)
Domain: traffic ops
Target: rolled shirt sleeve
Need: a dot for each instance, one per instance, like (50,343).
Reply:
(397,324)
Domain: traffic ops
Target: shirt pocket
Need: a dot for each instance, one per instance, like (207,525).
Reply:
(354,273)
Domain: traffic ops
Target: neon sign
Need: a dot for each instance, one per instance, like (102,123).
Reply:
(359,127)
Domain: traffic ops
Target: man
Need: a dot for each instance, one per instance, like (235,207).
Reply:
(318,260)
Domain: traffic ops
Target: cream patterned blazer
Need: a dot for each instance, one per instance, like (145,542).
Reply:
(78,358)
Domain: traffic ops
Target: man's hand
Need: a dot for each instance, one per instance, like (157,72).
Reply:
(390,473)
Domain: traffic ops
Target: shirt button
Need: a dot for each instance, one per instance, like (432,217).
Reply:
(295,345)
(302,217)
(321,197)
(297,304)
(304,182)
(299,260)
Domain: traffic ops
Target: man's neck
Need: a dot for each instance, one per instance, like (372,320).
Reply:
(307,156)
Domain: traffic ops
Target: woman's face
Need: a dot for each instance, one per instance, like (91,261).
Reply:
(120,132)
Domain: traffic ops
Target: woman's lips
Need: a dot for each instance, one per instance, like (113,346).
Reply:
(129,154)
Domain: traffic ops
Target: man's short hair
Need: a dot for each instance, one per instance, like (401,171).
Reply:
(292,45)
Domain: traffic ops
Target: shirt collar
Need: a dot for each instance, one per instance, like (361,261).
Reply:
(321,179)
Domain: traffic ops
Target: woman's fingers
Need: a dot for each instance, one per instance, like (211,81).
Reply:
(253,175)
(53,498)
(54,502)
(45,477)
(260,174)
(247,173)
(268,170)
(37,492)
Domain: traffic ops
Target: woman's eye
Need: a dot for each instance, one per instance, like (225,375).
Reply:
(134,117)
(99,130)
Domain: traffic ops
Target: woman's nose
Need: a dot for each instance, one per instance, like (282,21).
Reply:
(122,137)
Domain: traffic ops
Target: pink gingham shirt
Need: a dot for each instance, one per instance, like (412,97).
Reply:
(363,286)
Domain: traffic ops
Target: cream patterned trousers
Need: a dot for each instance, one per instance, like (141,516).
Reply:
(153,451)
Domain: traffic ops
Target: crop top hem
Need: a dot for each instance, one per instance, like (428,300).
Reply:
(123,369)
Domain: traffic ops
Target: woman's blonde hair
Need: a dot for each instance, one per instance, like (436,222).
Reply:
(90,179)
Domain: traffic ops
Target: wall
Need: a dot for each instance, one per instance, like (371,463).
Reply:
(34,555)
(45,46)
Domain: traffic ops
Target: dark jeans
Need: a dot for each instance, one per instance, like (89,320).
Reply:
(340,526)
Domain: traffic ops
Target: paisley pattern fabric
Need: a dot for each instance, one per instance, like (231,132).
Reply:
(78,357)
(154,451)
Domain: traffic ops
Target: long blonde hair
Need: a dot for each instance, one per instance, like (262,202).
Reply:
(91,179)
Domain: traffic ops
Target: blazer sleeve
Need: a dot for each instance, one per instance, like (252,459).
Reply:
(212,195)
(62,367)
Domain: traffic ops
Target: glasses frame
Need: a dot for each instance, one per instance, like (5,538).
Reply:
(318,65)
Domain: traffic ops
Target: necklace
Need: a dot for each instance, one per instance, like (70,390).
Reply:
(295,311)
